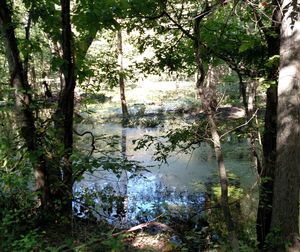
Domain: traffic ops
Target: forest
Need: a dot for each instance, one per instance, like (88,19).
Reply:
(155,125)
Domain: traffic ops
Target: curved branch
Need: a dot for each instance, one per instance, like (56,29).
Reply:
(93,140)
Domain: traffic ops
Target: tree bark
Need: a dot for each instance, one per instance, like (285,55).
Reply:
(264,211)
(285,213)
(121,76)
(64,113)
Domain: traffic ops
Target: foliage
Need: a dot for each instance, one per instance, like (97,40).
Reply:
(17,200)
(28,242)
(237,197)
(179,139)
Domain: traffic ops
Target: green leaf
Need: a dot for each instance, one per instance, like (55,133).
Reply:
(245,46)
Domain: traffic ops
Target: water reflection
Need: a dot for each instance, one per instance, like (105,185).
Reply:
(168,191)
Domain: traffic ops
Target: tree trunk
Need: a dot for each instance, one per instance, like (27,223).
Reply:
(264,211)
(249,106)
(27,37)
(121,76)
(23,101)
(208,100)
(64,114)
(285,214)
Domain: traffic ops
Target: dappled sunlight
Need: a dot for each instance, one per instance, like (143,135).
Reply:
(146,242)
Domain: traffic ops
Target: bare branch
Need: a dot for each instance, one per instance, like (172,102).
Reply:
(93,140)
(240,126)
(143,225)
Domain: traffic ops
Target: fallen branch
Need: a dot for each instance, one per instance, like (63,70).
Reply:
(143,225)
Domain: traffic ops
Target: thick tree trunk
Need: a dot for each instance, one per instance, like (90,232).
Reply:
(285,214)
(208,100)
(121,76)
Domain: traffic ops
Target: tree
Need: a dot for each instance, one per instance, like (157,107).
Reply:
(285,213)
(55,193)
(209,104)
(121,76)
(271,34)
(65,110)
(23,100)
(169,18)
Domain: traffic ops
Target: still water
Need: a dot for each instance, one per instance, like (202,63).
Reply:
(174,189)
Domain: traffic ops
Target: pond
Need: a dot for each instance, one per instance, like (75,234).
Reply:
(167,190)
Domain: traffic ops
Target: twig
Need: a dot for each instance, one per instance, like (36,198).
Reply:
(89,208)
(240,126)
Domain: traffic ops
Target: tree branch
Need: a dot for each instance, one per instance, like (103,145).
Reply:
(240,126)
(93,140)
(143,225)
(180,27)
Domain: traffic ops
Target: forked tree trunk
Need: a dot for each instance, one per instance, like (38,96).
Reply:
(208,100)
(285,213)
(23,101)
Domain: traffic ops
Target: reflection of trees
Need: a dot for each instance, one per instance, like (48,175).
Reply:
(122,202)
(140,201)
(169,204)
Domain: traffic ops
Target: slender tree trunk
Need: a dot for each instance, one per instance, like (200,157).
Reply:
(27,37)
(62,176)
(285,214)
(249,106)
(243,92)
(121,76)
(208,100)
